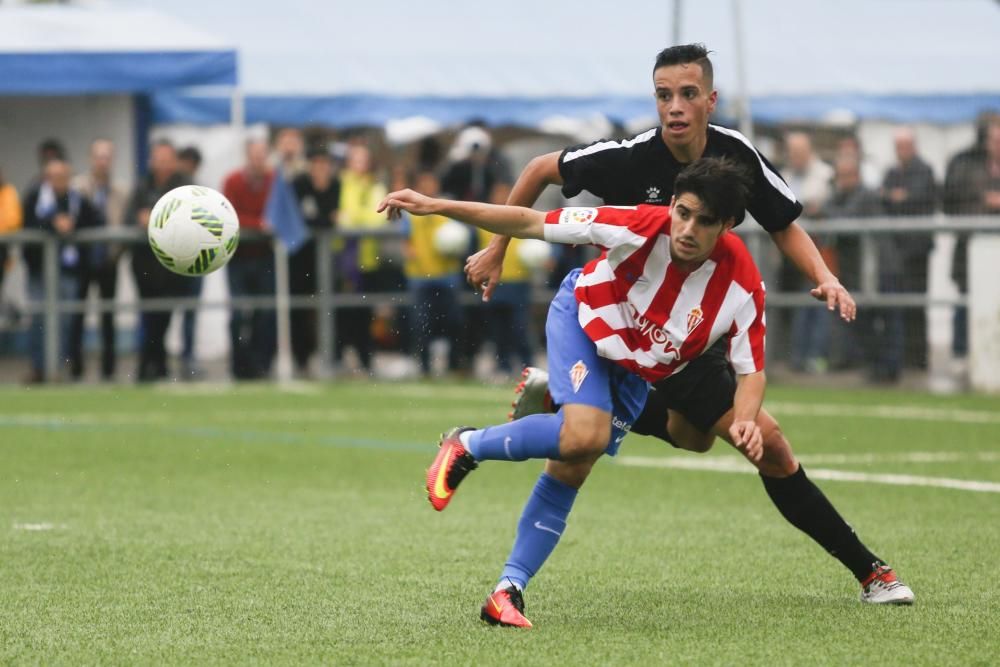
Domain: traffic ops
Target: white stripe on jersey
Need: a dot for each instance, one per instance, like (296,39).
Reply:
(740,352)
(606,145)
(644,290)
(692,295)
(772,177)
(621,241)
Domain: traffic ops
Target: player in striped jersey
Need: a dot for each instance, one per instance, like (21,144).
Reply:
(689,409)
(668,283)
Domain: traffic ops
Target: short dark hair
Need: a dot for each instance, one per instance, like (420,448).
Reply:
(191,154)
(685,54)
(722,185)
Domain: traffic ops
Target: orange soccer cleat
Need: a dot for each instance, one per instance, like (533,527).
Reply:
(505,608)
(450,467)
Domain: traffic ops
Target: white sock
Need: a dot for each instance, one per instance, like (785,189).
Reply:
(463,438)
(504,584)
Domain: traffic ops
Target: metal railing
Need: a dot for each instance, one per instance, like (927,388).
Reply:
(326,301)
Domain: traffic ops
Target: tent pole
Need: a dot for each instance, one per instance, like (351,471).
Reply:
(742,98)
(676,28)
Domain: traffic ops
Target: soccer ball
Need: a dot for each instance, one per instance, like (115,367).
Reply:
(534,253)
(193,230)
(451,239)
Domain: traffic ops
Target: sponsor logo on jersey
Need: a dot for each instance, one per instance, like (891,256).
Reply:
(577,214)
(653,194)
(657,335)
(695,317)
(620,424)
(578,374)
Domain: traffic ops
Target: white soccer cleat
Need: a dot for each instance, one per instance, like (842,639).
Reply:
(532,394)
(882,587)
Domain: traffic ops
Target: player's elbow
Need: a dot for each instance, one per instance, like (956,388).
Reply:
(543,169)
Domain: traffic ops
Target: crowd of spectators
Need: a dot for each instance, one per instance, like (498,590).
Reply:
(337,187)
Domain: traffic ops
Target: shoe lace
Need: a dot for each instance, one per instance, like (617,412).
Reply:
(883,576)
(515,597)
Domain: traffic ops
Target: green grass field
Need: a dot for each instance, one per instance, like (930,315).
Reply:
(195,525)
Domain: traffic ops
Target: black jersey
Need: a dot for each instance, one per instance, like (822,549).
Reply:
(641,170)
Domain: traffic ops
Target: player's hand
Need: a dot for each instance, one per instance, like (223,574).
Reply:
(483,269)
(748,439)
(836,297)
(406,200)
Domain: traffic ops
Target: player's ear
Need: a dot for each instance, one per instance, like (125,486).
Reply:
(673,198)
(713,98)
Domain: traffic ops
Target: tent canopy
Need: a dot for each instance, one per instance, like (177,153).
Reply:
(337,62)
(84,50)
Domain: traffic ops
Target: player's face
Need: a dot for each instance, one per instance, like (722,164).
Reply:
(683,103)
(693,231)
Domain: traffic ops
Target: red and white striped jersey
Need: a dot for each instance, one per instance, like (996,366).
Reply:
(646,314)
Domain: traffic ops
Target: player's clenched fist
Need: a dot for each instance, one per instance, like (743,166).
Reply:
(748,439)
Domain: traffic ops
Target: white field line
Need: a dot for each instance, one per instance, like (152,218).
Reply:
(735,465)
(903,412)
(38,527)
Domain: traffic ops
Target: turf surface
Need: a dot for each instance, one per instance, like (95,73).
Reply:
(203,525)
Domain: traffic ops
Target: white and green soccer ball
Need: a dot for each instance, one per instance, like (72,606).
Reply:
(193,230)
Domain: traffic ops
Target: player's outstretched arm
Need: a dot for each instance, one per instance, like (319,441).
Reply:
(798,246)
(517,221)
(744,430)
(484,268)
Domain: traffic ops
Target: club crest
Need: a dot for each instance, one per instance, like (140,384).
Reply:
(577,374)
(653,194)
(695,317)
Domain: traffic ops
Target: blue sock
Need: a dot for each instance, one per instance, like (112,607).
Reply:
(531,437)
(542,524)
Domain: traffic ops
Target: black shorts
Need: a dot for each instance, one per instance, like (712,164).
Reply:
(703,391)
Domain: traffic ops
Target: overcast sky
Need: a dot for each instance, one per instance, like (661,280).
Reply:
(579,47)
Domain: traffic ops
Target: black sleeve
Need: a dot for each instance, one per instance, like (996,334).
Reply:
(599,172)
(771,203)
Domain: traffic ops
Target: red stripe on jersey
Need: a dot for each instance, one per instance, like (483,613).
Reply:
(711,302)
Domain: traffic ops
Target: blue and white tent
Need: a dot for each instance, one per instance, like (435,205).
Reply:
(80,72)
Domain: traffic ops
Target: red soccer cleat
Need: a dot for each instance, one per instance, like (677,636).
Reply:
(505,608)
(450,467)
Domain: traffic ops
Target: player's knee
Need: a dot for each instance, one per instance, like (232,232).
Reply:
(778,459)
(581,440)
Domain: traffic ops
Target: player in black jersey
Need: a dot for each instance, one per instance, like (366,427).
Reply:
(684,413)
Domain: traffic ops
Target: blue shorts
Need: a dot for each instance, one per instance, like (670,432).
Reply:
(577,375)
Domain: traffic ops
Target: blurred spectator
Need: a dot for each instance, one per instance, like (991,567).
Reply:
(850,146)
(882,352)
(11,218)
(358,259)
(807,175)
(48,149)
(290,149)
(474,169)
(55,207)
(972,187)
(908,189)
(809,178)
(101,269)
(433,279)
(151,278)
(251,270)
(318,193)
(508,310)
(188,163)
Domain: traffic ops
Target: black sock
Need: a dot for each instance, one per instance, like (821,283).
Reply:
(805,507)
(653,420)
